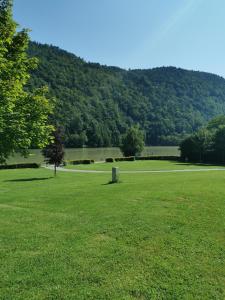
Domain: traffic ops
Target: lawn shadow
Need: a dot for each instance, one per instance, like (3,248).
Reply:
(111,182)
(200,164)
(29,179)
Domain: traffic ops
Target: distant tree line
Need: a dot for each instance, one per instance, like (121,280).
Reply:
(207,144)
(95,105)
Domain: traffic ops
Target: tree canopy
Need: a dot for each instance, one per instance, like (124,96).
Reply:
(132,142)
(23,114)
(207,144)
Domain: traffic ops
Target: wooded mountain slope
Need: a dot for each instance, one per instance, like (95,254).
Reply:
(95,104)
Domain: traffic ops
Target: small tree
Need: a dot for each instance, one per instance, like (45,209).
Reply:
(54,152)
(132,142)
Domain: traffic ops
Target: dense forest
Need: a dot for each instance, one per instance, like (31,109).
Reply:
(95,104)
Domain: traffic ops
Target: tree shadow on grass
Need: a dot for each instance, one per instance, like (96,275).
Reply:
(110,182)
(29,179)
(201,164)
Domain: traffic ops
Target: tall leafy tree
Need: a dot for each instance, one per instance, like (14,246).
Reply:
(23,114)
(132,142)
(219,144)
(207,144)
(197,146)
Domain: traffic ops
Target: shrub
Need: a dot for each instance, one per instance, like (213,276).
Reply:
(129,158)
(109,160)
(20,166)
(81,162)
(158,157)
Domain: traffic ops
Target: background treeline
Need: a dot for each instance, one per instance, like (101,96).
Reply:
(207,144)
(96,104)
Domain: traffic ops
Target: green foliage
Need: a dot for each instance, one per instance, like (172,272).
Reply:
(216,122)
(219,143)
(109,160)
(20,166)
(158,157)
(128,158)
(97,104)
(132,142)
(208,144)
(23,114)
(54,152)
(81,162)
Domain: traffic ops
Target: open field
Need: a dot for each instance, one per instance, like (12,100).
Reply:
(153,236)
(148,165)
(98,154)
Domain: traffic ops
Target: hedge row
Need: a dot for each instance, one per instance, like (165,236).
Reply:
(20,166)
(81,162)
(133,158)
(129,158)
(109,160)
(158,157)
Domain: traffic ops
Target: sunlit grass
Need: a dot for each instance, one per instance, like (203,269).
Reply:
(142,166)
(153,236)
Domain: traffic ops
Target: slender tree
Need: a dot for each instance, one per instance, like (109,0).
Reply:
(54,152)
(23,115)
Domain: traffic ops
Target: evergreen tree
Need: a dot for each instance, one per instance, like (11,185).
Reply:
(23,114)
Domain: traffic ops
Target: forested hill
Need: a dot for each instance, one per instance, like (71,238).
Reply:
(95,104)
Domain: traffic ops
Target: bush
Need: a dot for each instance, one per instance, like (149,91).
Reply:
(109,160)
(81,162)
(129,158)
(158,157)
(20,166)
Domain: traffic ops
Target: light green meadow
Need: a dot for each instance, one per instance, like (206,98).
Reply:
(152,236)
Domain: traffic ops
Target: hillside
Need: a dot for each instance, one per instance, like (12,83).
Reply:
(95,104)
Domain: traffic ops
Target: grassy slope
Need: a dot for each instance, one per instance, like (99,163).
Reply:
(155,236)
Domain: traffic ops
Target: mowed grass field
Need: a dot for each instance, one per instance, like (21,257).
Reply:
(148,165)
(152,236)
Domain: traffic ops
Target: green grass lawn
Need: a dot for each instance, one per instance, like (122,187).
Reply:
(153,236)
(142,166)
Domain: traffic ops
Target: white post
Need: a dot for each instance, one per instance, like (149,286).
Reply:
(115,175)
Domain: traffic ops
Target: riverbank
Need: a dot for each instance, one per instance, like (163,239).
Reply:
(98,154)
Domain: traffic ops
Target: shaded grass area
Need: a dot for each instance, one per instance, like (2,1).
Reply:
(153,236)
(143,166)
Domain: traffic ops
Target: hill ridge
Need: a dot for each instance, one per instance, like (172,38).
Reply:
(96,103)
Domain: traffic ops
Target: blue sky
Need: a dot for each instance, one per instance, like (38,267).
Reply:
(132,33)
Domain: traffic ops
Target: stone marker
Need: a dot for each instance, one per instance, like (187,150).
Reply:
(115,175)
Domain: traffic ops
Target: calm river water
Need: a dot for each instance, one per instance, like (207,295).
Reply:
(98,154)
